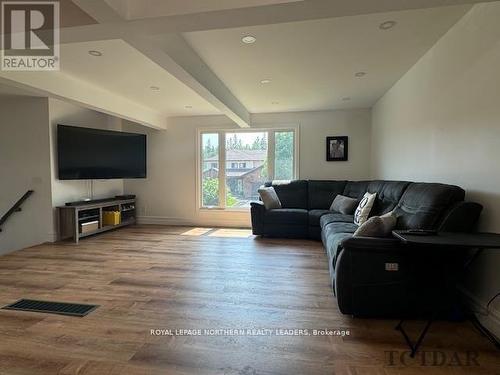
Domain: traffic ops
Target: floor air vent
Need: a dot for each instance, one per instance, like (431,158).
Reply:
(61,308)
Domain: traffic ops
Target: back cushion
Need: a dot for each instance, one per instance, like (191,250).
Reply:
(388,195)
(292,194)
(423,205)
(322,193)
(355,189)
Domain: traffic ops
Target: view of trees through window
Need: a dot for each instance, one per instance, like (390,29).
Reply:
(245,166)
(245,172)
(284,151)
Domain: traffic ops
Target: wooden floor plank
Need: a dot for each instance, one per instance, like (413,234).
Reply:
(157,277)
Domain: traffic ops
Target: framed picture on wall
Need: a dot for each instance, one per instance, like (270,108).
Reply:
(337,148)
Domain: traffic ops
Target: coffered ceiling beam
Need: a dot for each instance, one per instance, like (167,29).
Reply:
(61,86)
(175,56)
(273,14)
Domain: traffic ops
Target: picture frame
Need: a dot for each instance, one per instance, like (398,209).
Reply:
(337,148)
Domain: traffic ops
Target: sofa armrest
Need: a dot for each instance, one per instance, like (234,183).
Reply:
(370,276)
(462,217)
(386,277)
(257,211)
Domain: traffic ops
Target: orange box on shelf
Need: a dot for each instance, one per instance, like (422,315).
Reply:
(111,218)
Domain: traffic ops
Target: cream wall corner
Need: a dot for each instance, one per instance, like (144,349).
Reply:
(441,122)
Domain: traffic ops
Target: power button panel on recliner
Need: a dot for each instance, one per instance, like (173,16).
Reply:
(392,266)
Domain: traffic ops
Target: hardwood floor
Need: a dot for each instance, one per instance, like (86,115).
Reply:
(152,277)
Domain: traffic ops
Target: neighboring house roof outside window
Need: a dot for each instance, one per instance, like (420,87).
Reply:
(241,155)
(233,173)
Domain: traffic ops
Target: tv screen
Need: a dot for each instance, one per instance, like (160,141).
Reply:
(87,154)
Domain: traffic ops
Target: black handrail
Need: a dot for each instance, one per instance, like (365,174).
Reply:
(15,208)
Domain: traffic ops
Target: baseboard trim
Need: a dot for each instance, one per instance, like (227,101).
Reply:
(489,319)
(52,237)
(174,221)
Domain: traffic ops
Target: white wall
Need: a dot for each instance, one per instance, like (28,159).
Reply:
(168,195)
(28,160)
(73,190)
(441,122)
(24,165)
(314,128)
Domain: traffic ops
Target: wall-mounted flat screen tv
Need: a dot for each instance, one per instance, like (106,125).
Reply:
(88,154)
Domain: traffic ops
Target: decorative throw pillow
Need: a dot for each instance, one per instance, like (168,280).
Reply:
(344,205)
(377,226)
(269,198)
(364,208)
(390,214)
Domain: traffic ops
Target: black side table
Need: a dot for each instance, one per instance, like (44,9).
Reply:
(444,243)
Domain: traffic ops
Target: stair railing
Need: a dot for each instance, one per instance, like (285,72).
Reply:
(15,208)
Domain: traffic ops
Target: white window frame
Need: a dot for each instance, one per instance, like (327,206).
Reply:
(222,159)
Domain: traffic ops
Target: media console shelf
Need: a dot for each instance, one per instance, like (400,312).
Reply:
(86,219)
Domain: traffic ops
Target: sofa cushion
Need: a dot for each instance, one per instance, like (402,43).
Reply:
(292,194)
(338,227)
(388,195)
(423,205)
(334,217)
(322,193)
(332,239)
(355,189)
(315,216)
(332,243)
(344,205)
(290,216)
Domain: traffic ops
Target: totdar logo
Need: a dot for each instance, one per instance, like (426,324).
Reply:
(30,35)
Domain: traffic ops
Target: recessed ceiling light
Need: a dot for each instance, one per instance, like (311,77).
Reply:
(360,74)
(387,25)
(265,81)
(248,39)
(346,99)
(154,88)
(95,53)
(188,106)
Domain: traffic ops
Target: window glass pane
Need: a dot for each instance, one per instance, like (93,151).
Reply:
(246,167)
(283,155)
(210,169)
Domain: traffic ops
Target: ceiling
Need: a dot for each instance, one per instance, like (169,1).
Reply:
(137,9)
(125,71)
(311,64)
(191,50)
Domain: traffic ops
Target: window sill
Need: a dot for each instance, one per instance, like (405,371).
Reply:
(220,209)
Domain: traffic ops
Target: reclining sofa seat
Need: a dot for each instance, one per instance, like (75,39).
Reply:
(357,265)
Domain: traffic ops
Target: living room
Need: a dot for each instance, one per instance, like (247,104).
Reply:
(342,98)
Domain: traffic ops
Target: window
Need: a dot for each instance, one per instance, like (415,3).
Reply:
(209,176)
(251,158)
(283,155)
